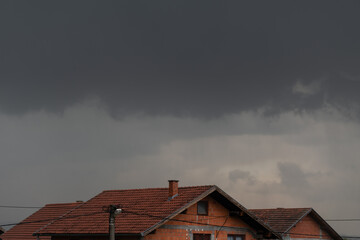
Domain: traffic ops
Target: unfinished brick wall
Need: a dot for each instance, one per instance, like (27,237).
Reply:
(185,225)
(308,228)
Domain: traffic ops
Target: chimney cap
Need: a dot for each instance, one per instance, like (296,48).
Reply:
(173,180)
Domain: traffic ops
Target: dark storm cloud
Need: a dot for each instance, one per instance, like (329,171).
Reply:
(292,176)
(198,58)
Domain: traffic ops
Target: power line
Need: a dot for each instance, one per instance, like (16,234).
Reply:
(314,235)
(214,225)
(159,217)
(271,218)
(2,206)
(296,218)
(341,220)
(51,219)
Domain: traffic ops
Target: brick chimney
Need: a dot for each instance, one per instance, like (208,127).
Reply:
(173,188)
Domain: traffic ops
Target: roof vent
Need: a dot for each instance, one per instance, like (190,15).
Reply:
(173,188)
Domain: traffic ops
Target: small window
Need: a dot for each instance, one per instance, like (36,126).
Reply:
(236,237)
(202,208)
(198,236)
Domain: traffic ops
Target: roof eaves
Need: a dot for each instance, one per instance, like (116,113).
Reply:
(253,216)
(297,221)
(327,226)
(168,218)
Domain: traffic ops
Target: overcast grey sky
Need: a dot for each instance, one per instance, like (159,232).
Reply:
(258,97)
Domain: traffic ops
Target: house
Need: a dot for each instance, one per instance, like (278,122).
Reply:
(297,223)
(173,213)
(34,222)
(1,231)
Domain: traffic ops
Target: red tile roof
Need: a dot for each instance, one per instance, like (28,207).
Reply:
(142,209)
(34,222)
(281,219)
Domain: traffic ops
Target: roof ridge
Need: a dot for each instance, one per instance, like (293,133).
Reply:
(154,188)
(211,189)
(305,214)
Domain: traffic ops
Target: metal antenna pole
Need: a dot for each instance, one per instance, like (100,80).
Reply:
(112,222)
(113,210)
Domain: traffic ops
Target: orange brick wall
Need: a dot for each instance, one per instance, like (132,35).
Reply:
(308,228)
(184,225)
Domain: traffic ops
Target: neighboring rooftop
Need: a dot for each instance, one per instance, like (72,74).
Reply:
(282,220)
(34,222)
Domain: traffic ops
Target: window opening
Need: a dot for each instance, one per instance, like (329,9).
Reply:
(202,208)
(200,236)
(235,237)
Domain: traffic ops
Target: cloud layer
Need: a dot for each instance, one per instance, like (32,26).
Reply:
(290,160)
(200,59)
